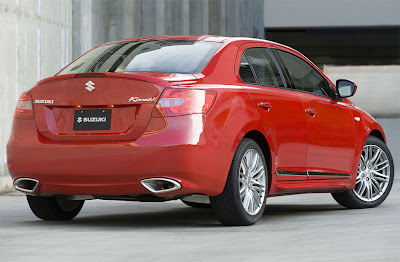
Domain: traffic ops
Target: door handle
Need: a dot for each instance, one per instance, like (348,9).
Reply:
(311,111)
(265,105)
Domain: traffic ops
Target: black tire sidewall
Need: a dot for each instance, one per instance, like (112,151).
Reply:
(48,208)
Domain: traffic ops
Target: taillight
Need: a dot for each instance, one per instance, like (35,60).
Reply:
(24,107)
(181,101)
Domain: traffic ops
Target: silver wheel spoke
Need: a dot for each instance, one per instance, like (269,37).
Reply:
(380,176)
(248,160)
(376,157)
(366,154)
(380,163)
(259,175)
(362,162)
(361,190)
(369,193)
(257,184)
(257,198)
(242,191)
(358,179)
(376,185)
(254,160)
(246,200)
(382,167)
(243,167)
(257,170)
(251,206)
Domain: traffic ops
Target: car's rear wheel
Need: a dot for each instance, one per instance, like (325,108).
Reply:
(54,207)
(374,177)
(243,200)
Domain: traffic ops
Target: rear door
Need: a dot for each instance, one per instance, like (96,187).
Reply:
(280,109)
(331,134)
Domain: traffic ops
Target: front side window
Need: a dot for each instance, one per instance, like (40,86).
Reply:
(264,67)
(304,76)
(167,56)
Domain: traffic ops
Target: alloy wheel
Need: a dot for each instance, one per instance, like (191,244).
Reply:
(373,174)
(252,182)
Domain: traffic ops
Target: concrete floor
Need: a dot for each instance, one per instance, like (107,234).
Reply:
(294,228)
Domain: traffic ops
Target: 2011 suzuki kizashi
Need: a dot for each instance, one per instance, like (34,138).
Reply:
(214,121)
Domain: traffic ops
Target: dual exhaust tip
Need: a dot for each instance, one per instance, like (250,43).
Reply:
(154,185)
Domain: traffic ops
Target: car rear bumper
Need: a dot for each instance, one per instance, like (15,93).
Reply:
(200,164)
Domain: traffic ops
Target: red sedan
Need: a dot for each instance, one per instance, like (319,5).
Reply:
(214,121)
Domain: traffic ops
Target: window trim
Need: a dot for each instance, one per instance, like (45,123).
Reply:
(274,60)
(251,68)
(290,78)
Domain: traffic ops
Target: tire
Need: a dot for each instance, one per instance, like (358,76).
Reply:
(196,205)
(367,193)
(54,208)
(229,206)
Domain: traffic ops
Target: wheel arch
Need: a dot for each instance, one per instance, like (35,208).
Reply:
(378,134)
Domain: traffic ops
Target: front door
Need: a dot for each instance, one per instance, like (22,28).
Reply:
(330,123)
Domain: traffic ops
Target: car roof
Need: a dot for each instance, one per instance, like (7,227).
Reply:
(208,38)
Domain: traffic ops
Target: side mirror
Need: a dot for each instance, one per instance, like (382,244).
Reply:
(345,88)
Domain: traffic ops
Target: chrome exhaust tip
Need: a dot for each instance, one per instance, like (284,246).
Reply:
(160,185)
(26,185)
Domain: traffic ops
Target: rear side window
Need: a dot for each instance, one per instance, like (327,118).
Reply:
(266,71)
(245,72)
(167,56)
(304,76)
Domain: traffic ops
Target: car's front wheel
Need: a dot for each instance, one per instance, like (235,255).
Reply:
(243,200)
(54,207)
(374,177)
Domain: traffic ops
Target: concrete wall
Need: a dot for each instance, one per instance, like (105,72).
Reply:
(328,13)
(378,87)
(35,42)
(99,21)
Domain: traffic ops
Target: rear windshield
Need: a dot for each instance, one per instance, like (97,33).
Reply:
(167,56)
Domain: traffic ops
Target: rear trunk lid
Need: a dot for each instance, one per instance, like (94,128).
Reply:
(98,106)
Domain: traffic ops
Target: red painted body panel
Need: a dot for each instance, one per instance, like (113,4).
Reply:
(196,150)
(331,135)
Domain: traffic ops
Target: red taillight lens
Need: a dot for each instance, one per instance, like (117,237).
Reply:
(180,101)
(24,107)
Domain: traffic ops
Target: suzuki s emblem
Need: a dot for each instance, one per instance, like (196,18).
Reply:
(90,86)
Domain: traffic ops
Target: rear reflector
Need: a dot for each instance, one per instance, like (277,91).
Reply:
(181,101)
(24,107)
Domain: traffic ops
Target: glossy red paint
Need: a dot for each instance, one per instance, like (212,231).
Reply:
(304,132)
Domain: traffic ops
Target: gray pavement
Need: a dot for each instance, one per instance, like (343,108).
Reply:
(308,227)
